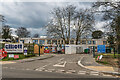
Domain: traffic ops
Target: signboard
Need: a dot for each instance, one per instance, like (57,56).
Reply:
(11,55)
(14,48)
(25,51)
(101,48)
(36,49)
(53,49)
(16,56)
(100,56)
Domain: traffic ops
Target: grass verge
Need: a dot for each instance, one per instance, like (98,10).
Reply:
(21,56)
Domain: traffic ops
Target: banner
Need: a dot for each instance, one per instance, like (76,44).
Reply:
(11,56)
(16,56)
(14,48)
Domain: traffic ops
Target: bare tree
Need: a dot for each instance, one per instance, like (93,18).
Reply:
(22,32)
(60,26)
(36,35)
(111,14)
(6,32)
(2,20)
(83,23)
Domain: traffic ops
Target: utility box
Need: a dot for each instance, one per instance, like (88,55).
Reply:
(74,49)
(69,49)
(86,50)
(79,50)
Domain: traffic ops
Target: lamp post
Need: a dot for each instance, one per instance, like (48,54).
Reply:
(39,50)
(93,51)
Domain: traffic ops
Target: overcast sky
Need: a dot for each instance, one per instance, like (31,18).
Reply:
(35,15)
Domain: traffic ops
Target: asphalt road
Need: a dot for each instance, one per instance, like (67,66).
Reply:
(59,66)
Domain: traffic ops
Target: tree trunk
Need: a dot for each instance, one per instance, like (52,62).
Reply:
(69,28)
(118,45)
(76,41)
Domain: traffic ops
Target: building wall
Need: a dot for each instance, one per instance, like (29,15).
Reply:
(47,41)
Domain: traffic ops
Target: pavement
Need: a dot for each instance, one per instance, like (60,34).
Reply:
(89,62)
(41,57)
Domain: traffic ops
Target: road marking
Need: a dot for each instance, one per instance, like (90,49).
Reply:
(12,68)
(27,69)
(106,75)
(59,64)
(59,70)
(6,62)
(5,67)
(94,73)
(79,62)
(68,72)
(51,70)
(61,59)
(45,65)
(62,70)
(89,62)
(72,71)
(40,69)
(45,70)
(82,72)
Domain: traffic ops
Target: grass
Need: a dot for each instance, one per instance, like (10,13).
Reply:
(21,56)
(103,62)
(109,55)
(109,59)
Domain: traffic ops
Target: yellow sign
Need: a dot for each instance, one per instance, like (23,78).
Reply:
(42,50)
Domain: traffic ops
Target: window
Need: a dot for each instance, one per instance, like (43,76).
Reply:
(79,42)
(94,42)
(61,41)
(22,41)
(89,42)
(48,41)
(54,41)
(104,42)
(83,42)
(41,41)
(58,41)
(71,41)
(35,41)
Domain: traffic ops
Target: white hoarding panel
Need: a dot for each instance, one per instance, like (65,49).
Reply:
(11,55)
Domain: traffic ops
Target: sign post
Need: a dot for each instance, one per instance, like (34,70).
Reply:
(39,49)
(93,51)
(25,51)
